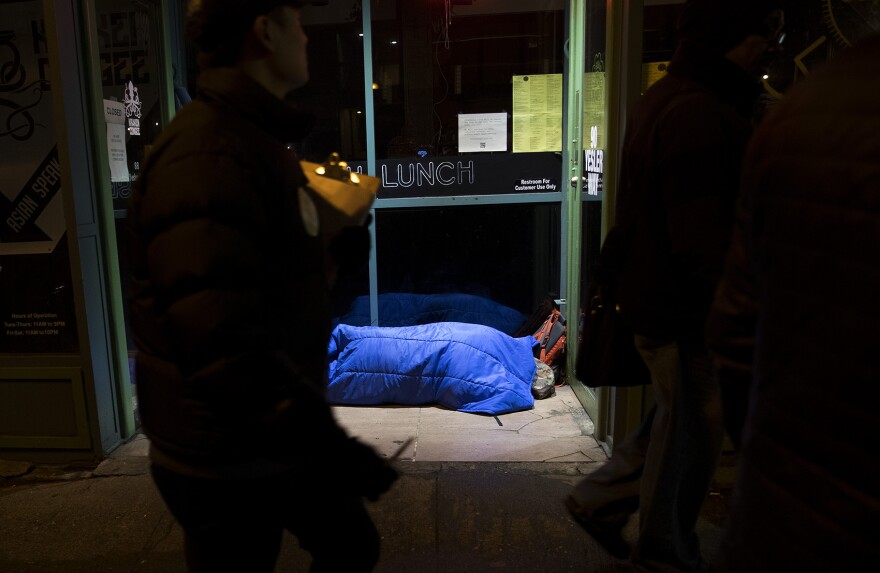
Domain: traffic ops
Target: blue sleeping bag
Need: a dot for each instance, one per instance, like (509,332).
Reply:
(409,309)
(464,367)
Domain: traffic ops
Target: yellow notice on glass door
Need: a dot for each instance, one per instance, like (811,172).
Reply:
(594,109)
(537,113)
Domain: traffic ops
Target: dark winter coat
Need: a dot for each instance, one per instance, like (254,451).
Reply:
(797,319)
(229,309)
(679,183)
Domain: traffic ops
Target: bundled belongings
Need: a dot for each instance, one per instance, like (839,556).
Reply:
(551,339)
(543,386)
(412,309)
(547,326)
(464,367)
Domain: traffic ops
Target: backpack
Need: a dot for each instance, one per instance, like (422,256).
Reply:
(551,339)
(547,326)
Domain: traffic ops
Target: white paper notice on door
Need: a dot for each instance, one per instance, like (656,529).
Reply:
(114,117)
(482,132)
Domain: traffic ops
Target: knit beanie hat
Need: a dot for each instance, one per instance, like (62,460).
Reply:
(218,27)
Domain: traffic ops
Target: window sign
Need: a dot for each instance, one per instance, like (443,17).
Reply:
(482,132)
(537,113)
(114,117)
(652,72)
(36,300)
(31,212)
(594,161)
(594,106)
(132,109)
(468,175)
(594,121)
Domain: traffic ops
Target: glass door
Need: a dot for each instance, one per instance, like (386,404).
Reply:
(586,185)
(132,102)
(477,126)
(467,107)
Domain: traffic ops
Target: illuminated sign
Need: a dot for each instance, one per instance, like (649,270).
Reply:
(420,174)
(132,109)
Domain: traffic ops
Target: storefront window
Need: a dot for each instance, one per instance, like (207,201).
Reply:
(468,102)
(36,295)
(129,59)
(595,140)
(468,96)
(335,95)
(506,253)
(335,92)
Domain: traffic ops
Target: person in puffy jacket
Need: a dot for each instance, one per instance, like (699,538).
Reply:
(678,189)
(795,330)
(230,312)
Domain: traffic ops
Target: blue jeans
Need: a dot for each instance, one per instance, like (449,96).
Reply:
(665,467)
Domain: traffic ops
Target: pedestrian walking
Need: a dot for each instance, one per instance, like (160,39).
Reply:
(231,316)
(679,185)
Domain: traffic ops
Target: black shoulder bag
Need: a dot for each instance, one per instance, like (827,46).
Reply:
(607,354)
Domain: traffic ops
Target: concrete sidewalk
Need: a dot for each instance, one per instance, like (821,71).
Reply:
(439,517)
